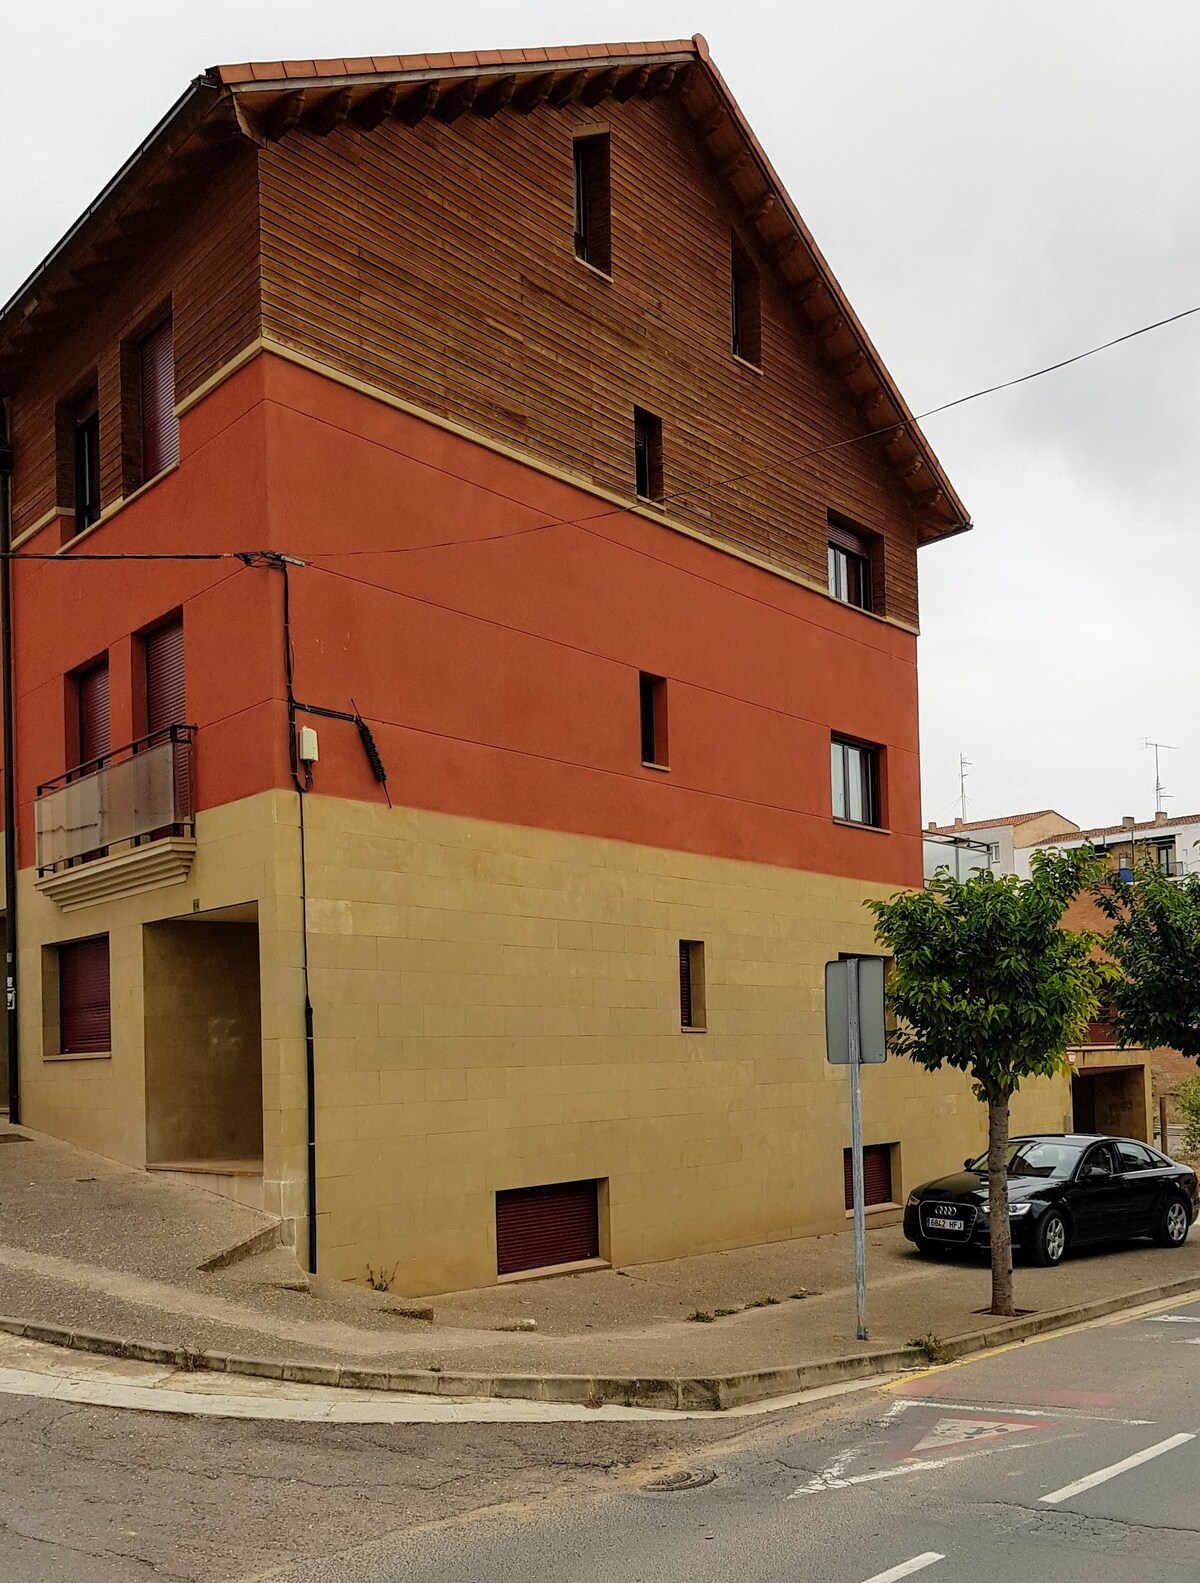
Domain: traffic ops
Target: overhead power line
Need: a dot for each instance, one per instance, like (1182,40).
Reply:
(794,459)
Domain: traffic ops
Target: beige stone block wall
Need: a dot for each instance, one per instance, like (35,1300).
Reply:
(497,1007)
(247,863)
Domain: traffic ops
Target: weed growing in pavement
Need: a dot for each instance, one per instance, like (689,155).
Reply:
(935,1350)
(701,1316)
(378,1281)
(724,1313)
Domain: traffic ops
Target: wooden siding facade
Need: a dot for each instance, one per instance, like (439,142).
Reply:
(202,262)
(437,263)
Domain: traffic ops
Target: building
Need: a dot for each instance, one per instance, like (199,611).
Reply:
(447,857)
(996,842)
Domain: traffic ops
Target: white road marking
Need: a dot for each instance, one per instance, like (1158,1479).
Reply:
(964,1431)
(830,1478)
(1172,1319)
(983,1408)
(1069,1491)
(907,1568)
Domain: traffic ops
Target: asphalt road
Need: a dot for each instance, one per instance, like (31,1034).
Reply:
(1068,1459)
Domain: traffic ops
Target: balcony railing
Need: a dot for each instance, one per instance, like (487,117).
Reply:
(138,792)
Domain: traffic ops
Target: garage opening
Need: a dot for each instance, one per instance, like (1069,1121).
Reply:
(541,1227)
(1112,1100)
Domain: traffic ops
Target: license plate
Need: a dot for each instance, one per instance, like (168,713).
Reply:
(940,1223)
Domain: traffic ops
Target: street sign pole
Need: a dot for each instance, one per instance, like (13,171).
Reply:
(856,1152)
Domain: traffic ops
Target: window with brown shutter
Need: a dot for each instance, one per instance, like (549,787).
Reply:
(84,1016)
(745,304)
(851,561)
(166,703)
(160,426)
(91,693)
(877,1174)
(537,1227)
(86,429)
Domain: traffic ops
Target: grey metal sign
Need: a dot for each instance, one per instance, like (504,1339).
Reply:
(872,1031)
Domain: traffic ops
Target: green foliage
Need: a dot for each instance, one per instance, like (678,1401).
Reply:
(984,977)
(1155,941)
(1187,1098)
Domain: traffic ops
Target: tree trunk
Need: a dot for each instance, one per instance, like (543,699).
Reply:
(1001,1229)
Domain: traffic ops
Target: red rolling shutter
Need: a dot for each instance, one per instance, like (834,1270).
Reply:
(84,1018)
(160,426)
(95,740)
(165,701)
(540,1226)
(877,1175)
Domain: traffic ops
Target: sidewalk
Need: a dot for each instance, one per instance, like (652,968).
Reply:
(89,1248)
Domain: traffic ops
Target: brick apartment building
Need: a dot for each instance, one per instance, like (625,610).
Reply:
(508,396)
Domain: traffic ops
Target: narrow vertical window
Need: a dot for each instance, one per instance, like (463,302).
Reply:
(165,699)
(745,305)
(87,462)
(691,985)
(854,771)
(84,1014)
(160,426)
(850,559)
(593,201)
(93,739)
(653,698)
(647,455)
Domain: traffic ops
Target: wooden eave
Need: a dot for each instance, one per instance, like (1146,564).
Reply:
(266,103)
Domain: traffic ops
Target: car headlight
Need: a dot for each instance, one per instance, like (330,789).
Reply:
(912,1199)
(1019,1209)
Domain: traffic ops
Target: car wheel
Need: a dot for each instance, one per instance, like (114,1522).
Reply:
(1174,1223)
(1049,1239)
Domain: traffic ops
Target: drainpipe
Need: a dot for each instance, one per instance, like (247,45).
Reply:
(10,779)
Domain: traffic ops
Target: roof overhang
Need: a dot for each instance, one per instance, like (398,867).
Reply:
(265,102)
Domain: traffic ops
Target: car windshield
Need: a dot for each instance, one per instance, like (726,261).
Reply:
(1035,1157)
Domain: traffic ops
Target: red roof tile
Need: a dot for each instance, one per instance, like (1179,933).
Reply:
(1139,828)
(992,824)
(269,71)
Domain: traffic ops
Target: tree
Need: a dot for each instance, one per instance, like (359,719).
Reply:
(986,980)
(1155,941)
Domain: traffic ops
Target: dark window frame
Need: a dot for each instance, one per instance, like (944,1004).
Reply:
(870,787)
(852,565)
(592,157)
(652,703)
(745,303)
(85,442)
(693,997)
(647,455)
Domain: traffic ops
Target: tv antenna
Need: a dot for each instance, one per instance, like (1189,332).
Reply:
(964,764)
(1160,792)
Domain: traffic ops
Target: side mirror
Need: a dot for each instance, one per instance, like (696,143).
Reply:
(968,1163)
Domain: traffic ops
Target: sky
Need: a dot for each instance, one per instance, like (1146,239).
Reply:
(997,187)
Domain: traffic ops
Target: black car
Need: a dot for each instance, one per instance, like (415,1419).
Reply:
(1065,1189)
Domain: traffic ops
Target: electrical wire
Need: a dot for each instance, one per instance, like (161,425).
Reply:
(733,478)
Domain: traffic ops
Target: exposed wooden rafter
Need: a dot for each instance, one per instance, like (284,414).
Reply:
(533,92)
(284,116)
(332,111)
(456,99)
(418,103)
(599,86)
(566,88)
(631,84)
(496,96)
(372,111)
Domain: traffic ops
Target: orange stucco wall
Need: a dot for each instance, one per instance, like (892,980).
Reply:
(495,656)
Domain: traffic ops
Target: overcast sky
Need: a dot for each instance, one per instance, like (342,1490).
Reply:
(996,186)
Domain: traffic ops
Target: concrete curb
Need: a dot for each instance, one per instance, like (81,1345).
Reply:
(692,1395)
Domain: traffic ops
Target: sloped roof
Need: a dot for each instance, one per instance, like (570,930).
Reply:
(1007,820)
(265,101)
(1143,826)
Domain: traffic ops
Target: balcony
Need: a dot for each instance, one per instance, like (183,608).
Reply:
(121,824)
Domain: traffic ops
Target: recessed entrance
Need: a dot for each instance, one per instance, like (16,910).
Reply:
(1110,1100)
(203,1025)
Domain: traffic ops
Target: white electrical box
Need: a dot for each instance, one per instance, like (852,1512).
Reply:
(309,752)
